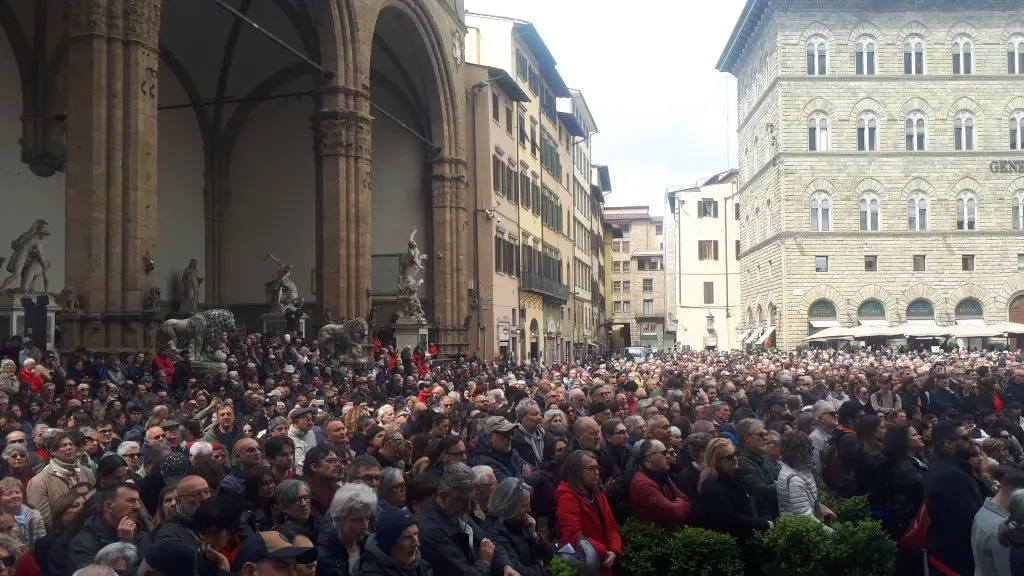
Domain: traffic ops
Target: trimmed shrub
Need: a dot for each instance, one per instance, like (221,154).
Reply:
(865,548)
(853,509)
(650,551)
(798,546)
(559,568)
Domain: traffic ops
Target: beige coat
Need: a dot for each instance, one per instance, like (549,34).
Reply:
(45,487)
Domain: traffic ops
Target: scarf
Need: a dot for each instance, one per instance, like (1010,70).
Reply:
(68,473)
(21,519)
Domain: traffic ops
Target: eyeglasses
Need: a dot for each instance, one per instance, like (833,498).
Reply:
(132,455)
(8,561)
(369,478)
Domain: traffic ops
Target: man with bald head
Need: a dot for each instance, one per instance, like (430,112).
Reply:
(155,435)
(586,434)
(192,491)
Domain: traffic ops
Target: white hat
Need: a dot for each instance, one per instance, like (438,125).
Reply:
(289,369)
(28,361)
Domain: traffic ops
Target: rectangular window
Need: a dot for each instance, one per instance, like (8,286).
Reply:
(658,230)
(707,249)
(737,249)
(625,286)
(920,263)
(626,265)
(508,120)
(617,306)
(522,65)
(871,263)
(625,228)
(821,263)
(617,286)
(707,208)
(648,307)
(499,252)
(498,170)
(648,285)
(534,80)
(625,306)
(1020,261)
(736,211)
(522,128)
(967,262)
(709,292)
(496,107)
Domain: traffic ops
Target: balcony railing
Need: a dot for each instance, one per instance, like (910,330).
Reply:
(552,288)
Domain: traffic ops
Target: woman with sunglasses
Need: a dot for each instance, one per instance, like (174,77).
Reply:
(724,505)
(509,525)
(16,457)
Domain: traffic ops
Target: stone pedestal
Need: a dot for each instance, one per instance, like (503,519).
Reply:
(277,322)
(12,318)
(410,332)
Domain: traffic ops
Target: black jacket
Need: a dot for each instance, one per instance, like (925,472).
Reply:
(504,464)
(521,444)
(332,557)
(758,478)
(526,557)
(952,497)
(94,535)
(445,546)
(176,527)
(724,506)
(904,492)
(1015,538)
(613,462)
(374,562)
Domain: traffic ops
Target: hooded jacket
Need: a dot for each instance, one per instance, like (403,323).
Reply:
(375,562)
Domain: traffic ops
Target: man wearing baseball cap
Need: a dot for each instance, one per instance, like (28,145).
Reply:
(502,459)
(269,554)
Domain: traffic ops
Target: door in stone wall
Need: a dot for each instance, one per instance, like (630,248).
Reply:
(1016,314)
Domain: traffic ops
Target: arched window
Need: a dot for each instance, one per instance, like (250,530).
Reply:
(962,49)
(966,211)
(917,212)
(821,212)
(916,131)
(1015,55)
(817,132)
(864,56)
(913,55)
(920,309)
(1017,130)
(867,132)
(963,131)
(869,216)
(768,220)
(817,56)
(1017,219)
(757,225)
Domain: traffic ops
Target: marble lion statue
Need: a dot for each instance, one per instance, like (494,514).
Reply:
(345,339)
(197,332)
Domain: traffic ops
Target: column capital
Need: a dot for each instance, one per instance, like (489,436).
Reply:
(142,22)
(343,133)
(87,18)
(448,182)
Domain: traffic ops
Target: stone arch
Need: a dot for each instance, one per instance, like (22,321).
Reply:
(865,29)
(1015,103)
(962,28)
(750,316)
(919,291)
(874,292)
(1015,185)
(816,29)
(967,104)
(773,313)
(985,297)
(822,292)
(916,104)
(820,105)
(917,184)
(966,183)
(870,185)
(1012,287)
(869,105)
(1011,30)
(819,185)
(913,29)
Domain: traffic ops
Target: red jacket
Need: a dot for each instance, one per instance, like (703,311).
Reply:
(577,517)
(34,380)
(161,362)
(664,505)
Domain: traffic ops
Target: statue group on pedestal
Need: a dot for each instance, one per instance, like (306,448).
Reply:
(410,267)
(27,264)
(281,291)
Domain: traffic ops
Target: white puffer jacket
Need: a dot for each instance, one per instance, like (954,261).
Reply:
(797,493)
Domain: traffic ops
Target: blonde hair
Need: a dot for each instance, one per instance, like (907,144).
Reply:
(710,470)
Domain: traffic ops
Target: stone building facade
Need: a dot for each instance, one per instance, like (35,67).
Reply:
(639,313)
(879,163)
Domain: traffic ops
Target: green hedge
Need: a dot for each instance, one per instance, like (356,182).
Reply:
(795,546)
(650,551)
(853,509)
(559,568)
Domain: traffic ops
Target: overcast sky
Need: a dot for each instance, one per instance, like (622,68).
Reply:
(647,69)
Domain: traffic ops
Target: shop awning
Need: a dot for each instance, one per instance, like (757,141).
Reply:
(825,323)
(767,334)
(971,321)
(746,334)
(874,322)
(752,336)
(830,333)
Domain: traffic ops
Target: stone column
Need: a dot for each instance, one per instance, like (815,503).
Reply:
(450,257)
(112,162)
(342,141)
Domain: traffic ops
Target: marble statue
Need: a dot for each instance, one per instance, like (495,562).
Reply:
(152,300)
(28,264)
(344,342)
(410,267)
(190,282)
(68,300)
(199,332)
(281,291)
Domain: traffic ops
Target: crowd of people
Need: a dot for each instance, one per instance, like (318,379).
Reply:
(285,464)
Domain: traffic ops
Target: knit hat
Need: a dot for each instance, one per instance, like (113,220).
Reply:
(389,527)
